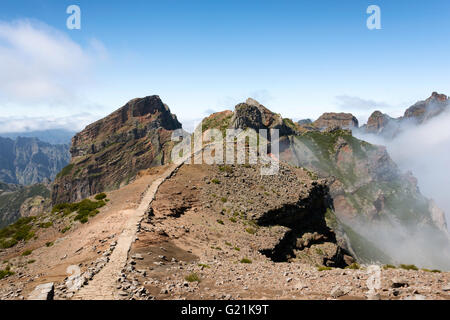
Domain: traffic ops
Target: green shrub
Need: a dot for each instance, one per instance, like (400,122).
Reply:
(409,267)
(204,265)
(220,222)
(223,199)
(46,225)
(18,231)
(65,171)
(5,244)
(65,229)
(237,248)
(389,266)
(215,181)
(6,273)
(324,268)
(26,253)
(84,209)
(49,244)
(226,168)
(31,261)
(250,230)
(83,219)
(353,266)
(233,220)
(193,277)
(433,271)
(246,260)
(100,196)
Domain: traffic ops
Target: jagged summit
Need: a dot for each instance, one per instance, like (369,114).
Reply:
(420,112)
(250,115)
(427,109)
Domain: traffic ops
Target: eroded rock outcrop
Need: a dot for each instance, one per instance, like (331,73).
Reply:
(252,114)
(342,120)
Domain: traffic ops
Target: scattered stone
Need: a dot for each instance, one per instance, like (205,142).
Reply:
(399,283)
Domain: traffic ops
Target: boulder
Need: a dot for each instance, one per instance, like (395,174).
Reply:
(44,291)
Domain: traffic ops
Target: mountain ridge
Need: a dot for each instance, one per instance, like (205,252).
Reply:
(28,161)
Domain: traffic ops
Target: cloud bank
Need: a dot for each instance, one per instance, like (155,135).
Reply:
(28,124)
(425,150)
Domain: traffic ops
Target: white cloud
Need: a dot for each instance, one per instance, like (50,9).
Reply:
(25,124)
(39,64)
(346,102)
(424,150)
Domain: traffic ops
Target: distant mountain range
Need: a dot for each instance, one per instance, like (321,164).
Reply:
(55,136)
(28,161)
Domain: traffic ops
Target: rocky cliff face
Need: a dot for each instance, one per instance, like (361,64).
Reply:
(28,161)
(370,195)
(380,123)
(342,120)
(366,186)
(109,152)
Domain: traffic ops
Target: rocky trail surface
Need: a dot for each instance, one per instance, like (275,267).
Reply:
(103,286)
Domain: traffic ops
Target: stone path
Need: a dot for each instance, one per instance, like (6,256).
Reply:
(103,286)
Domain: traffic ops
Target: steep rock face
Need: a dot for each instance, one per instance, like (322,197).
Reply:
(379,123)
(364,181)
(370,194)
(427,109)
(342,120)
(28,161)
(109,152)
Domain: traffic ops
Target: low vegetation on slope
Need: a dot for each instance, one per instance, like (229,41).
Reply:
(12,199)
(61,217)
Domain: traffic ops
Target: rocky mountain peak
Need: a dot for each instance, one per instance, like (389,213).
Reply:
(110,151)
(429,108)
(377,122)
(254,115)
(438,97)
(252,102)
(135,118)
(332,119)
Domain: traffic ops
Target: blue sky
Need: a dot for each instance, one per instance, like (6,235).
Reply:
(299,58)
